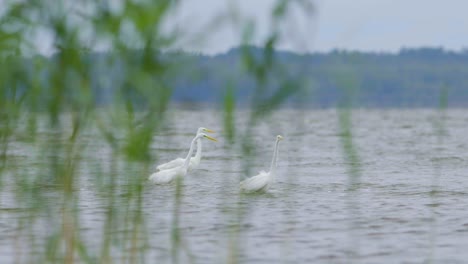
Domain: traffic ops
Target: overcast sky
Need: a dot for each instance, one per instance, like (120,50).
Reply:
(366,25)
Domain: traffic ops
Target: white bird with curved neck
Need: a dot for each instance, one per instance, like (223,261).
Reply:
(263,181)
(169,175)
(194,161)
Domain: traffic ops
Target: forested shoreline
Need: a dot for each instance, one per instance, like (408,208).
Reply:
(424,77)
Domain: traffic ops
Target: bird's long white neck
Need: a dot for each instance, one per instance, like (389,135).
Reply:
(199,151)
(273,160)
(189,155)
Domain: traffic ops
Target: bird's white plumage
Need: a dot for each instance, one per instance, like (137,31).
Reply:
(258,183)
(194,161)
(171,164)
(169,175)
(263,181)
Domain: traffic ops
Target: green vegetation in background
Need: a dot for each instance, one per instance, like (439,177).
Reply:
(410,78)
(123,94)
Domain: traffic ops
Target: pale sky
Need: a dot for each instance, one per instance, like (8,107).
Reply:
(365,25)
(215,26)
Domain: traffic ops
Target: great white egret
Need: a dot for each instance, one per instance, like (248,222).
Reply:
(194,161)
(263,180)
(167,176)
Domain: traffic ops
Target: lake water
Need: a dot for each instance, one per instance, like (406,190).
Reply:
(409,204)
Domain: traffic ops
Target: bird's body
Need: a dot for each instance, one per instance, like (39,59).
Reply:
(169,175)
(172,164)
(263,181)
(194,161)
(258,183)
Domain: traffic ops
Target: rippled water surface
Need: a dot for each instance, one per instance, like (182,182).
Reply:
(410,203)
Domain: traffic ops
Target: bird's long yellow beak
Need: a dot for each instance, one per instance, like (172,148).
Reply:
(208,130)
(211,138)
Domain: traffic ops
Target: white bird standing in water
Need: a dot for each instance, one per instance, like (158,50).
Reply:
(263,180)
(167,176)
(194,161)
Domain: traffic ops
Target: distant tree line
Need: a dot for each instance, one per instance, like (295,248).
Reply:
(423,77)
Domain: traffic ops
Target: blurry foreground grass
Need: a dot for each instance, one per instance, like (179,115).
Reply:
(49,104)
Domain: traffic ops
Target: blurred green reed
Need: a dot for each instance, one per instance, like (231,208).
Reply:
(350,87)
(439,128)
(63,96)
(262,104)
